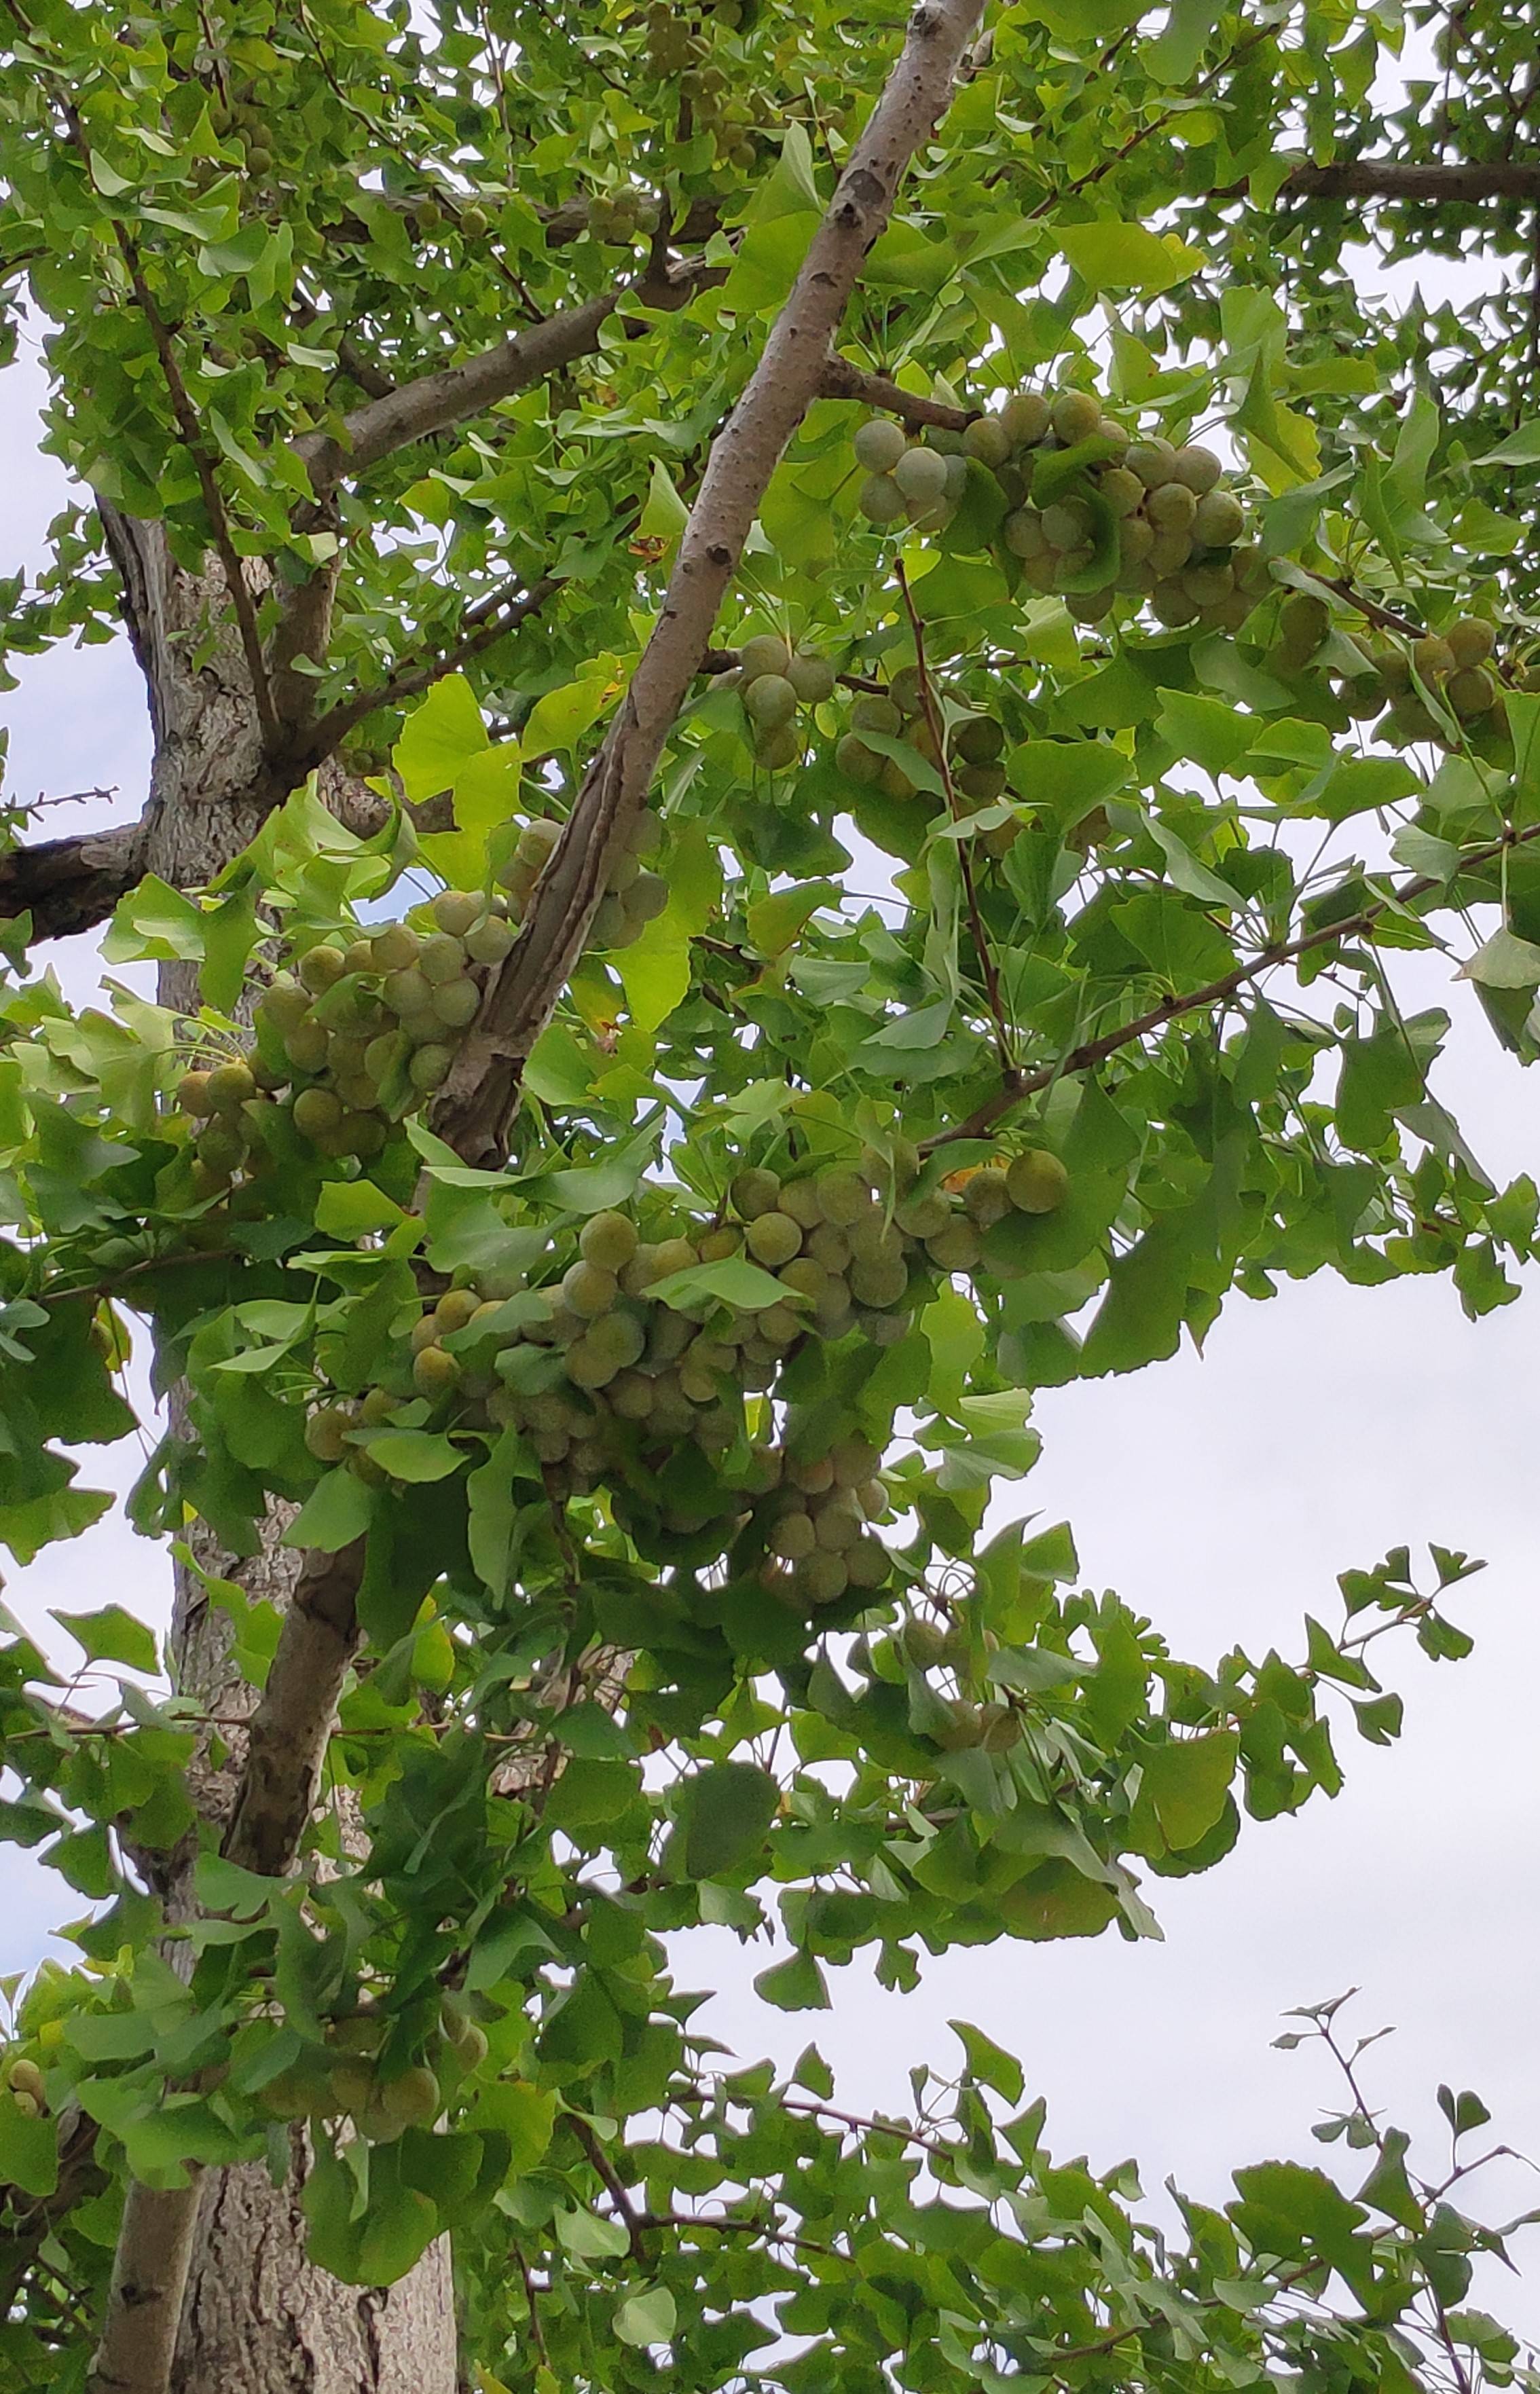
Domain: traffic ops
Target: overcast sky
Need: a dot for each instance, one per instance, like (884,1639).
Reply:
(1221,1496)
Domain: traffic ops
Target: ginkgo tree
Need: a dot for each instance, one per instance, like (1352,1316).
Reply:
(591,490)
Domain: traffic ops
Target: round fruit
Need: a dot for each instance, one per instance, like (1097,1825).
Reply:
(231,1087)
(856,761)
(880,499)
(1471,641)
(394,948)
(455,909)
(812,678)
(1198,467)
(1036,1182)
(1220,520)
(987,439)
(1470,690)
(765,653)
(321,968)
(327,1433)
(587,1289)
(772,1238)
(316,1112)
(434,1372)
(1153,461)
(1432,657)
(920,474)
(193,1097)
(754,1192)
(1171,506)
(430,1066)
(1026,416)
(608,1241)
(879,444)
(1075,415)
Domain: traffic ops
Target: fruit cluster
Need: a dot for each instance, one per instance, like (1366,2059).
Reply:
(1091,511)
(633,896)
(344,2078)
(25,2082)
(612,1375)
(622,216)
(774,680)
(1392,685)
(365,1028)
(974,749)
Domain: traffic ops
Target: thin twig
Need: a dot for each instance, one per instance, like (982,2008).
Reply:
(937,736)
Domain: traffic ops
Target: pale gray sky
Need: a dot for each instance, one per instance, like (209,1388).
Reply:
(1221,1496)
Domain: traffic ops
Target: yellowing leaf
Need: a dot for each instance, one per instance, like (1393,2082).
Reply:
(1112,256)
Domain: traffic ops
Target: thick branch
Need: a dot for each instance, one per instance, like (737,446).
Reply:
(473,1111)
(842,380)
(71,884)
(1381,178)
(435,401)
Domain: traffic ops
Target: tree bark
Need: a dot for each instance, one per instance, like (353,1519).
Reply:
(256,2318)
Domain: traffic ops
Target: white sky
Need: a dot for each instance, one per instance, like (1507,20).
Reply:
(1221,1496)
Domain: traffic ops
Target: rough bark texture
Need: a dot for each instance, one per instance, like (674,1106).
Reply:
(259,2321)
(256,2318)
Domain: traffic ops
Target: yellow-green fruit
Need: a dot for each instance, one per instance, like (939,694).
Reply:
(1432,657)
(964,1726)
(1470,690)
(588,1289)
(429,1066)
(775,750)
(487,942)
(879,444)
(192,1095)
(377,1407)
(772,1238)
(955,1249)
(25,2077)
(1036,1181)
(1122,489)
(231,1087)
(822,1577)
(470,2041)
(1471,641)
(608,1239)
(455,909)
(434,1372)
(987,439)
(1153,461)
(455,1003)
(843,1196)
(320,968)
(867,1563)
(1303,621)
(1218,520)
(754,1192)
(221,1147)
(456,1309)
(316,1112)
(921,476)
(812,678)
(327,1433)
(986,1197)
(880,499)
(717,1246)
(1026,418)
(793,1536)
(442,958)
(1023,533)
(1198,467)
(1171,506)
(770,700)
(766,653)
(922,1643)
(394,948)
(413,2099)
(1000,1729)
(1075,415)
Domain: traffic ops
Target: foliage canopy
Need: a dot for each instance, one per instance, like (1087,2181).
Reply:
(620,1259)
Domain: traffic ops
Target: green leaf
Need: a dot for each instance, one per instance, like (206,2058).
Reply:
(990,2063)
(1112,257)
(794,1986)
(1504,962)
(441,736)
(351,1209)
(29,2148)
(725,1812)
(1066,777)
(337,1510)
(112,1636)
(1187,1781)
(417,1455)
(647,2317)
(732,1280)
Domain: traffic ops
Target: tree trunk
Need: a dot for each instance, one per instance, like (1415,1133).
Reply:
(257,2318)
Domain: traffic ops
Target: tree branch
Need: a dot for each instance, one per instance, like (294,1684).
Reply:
(488,621)
(1019,1084)
(71,884)
(1382,178)
(841,379)
(477,1101)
